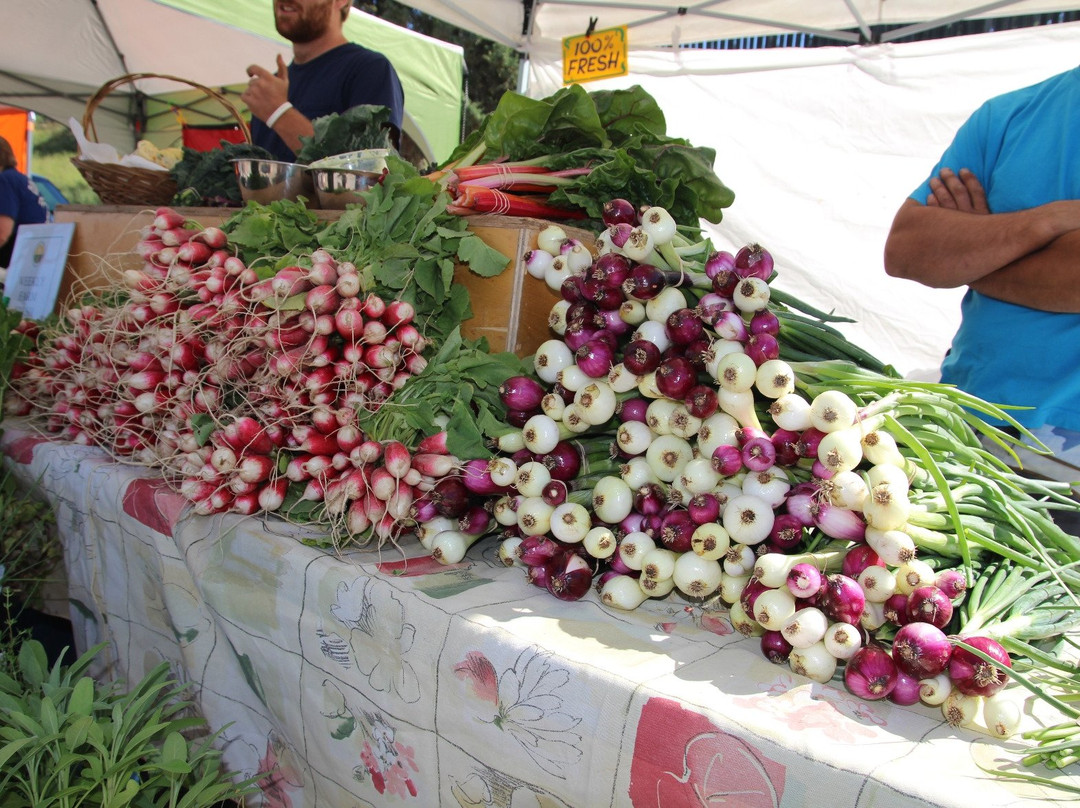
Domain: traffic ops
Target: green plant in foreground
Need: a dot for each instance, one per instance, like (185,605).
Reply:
(29,547)
(14,345)
(66,740)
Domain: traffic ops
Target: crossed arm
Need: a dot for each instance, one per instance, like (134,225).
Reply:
(1028,257)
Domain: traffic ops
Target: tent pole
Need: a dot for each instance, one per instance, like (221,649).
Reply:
(527,17)
(108,32)
(970,13)
(524,67)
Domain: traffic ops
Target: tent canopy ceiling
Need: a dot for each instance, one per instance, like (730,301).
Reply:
(67,49)
(530,25)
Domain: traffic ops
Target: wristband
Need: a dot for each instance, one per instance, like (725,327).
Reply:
(275,116)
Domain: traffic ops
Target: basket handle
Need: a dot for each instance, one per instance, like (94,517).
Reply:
(109,86)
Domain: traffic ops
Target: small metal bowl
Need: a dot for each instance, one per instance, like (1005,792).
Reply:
(266,181)
(338,187)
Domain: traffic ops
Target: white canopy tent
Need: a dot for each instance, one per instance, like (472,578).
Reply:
(54,54)
(820,145)
(530,26)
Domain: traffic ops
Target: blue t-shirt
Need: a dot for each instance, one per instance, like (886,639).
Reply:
(342,78)
(20,200)
(1024,147)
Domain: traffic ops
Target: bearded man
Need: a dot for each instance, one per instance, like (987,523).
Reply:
(328,74)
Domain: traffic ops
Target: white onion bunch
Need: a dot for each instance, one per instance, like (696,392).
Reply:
(688,454)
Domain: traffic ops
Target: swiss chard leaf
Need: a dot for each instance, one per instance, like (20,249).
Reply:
(629,113)
(572,123)
(621,135)
(515,126)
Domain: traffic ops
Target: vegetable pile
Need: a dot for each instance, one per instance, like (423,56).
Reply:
(209,178)
(560,157)
(249,385)
(365,126)
(690,430)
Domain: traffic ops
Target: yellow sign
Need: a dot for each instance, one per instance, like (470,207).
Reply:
(599,55)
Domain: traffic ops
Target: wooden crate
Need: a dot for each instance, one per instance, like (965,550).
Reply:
(510,310)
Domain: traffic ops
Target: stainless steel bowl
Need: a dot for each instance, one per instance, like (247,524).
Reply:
(266,181)
(338,187)
(363,160)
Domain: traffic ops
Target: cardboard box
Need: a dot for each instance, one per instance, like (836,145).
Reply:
(104,242)
(510,310)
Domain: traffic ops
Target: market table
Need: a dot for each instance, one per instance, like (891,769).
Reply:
(380,678)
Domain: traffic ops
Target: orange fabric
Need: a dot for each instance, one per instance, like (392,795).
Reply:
(15,128)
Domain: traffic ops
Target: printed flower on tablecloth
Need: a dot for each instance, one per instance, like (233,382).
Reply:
(21,450)
(386,761)
(491,789)
(389,763)
(154,504)
(527,705)
(803,707)
(472,792)
(379,640)
(335,708)
(683,760)
(277,780)
(712,620)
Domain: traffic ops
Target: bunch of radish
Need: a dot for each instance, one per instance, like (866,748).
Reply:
(244,390)
(663,445)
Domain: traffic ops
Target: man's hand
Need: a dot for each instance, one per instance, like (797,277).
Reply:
(266,91)
(963,193)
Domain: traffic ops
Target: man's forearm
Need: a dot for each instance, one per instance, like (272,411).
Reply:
(949,248)
(291,126)
(1046,279)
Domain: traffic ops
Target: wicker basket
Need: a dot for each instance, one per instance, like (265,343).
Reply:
(129,185)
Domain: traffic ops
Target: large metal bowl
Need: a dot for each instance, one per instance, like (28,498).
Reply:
(338,187)
(266,181)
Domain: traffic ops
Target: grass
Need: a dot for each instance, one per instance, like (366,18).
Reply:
(64,175)
(55,165)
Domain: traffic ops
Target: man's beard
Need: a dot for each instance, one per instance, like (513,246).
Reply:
(309,25)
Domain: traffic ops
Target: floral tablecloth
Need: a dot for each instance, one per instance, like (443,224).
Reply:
(371,679)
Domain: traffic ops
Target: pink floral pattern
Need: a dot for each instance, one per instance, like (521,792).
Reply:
(21,450)
(683,760)
(714,621)
(389,765)
(820,708)
(154,504)
(528,705)
(386,762)
(275,784)
(480,674)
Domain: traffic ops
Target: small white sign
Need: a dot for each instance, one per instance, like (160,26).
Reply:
(37,266)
